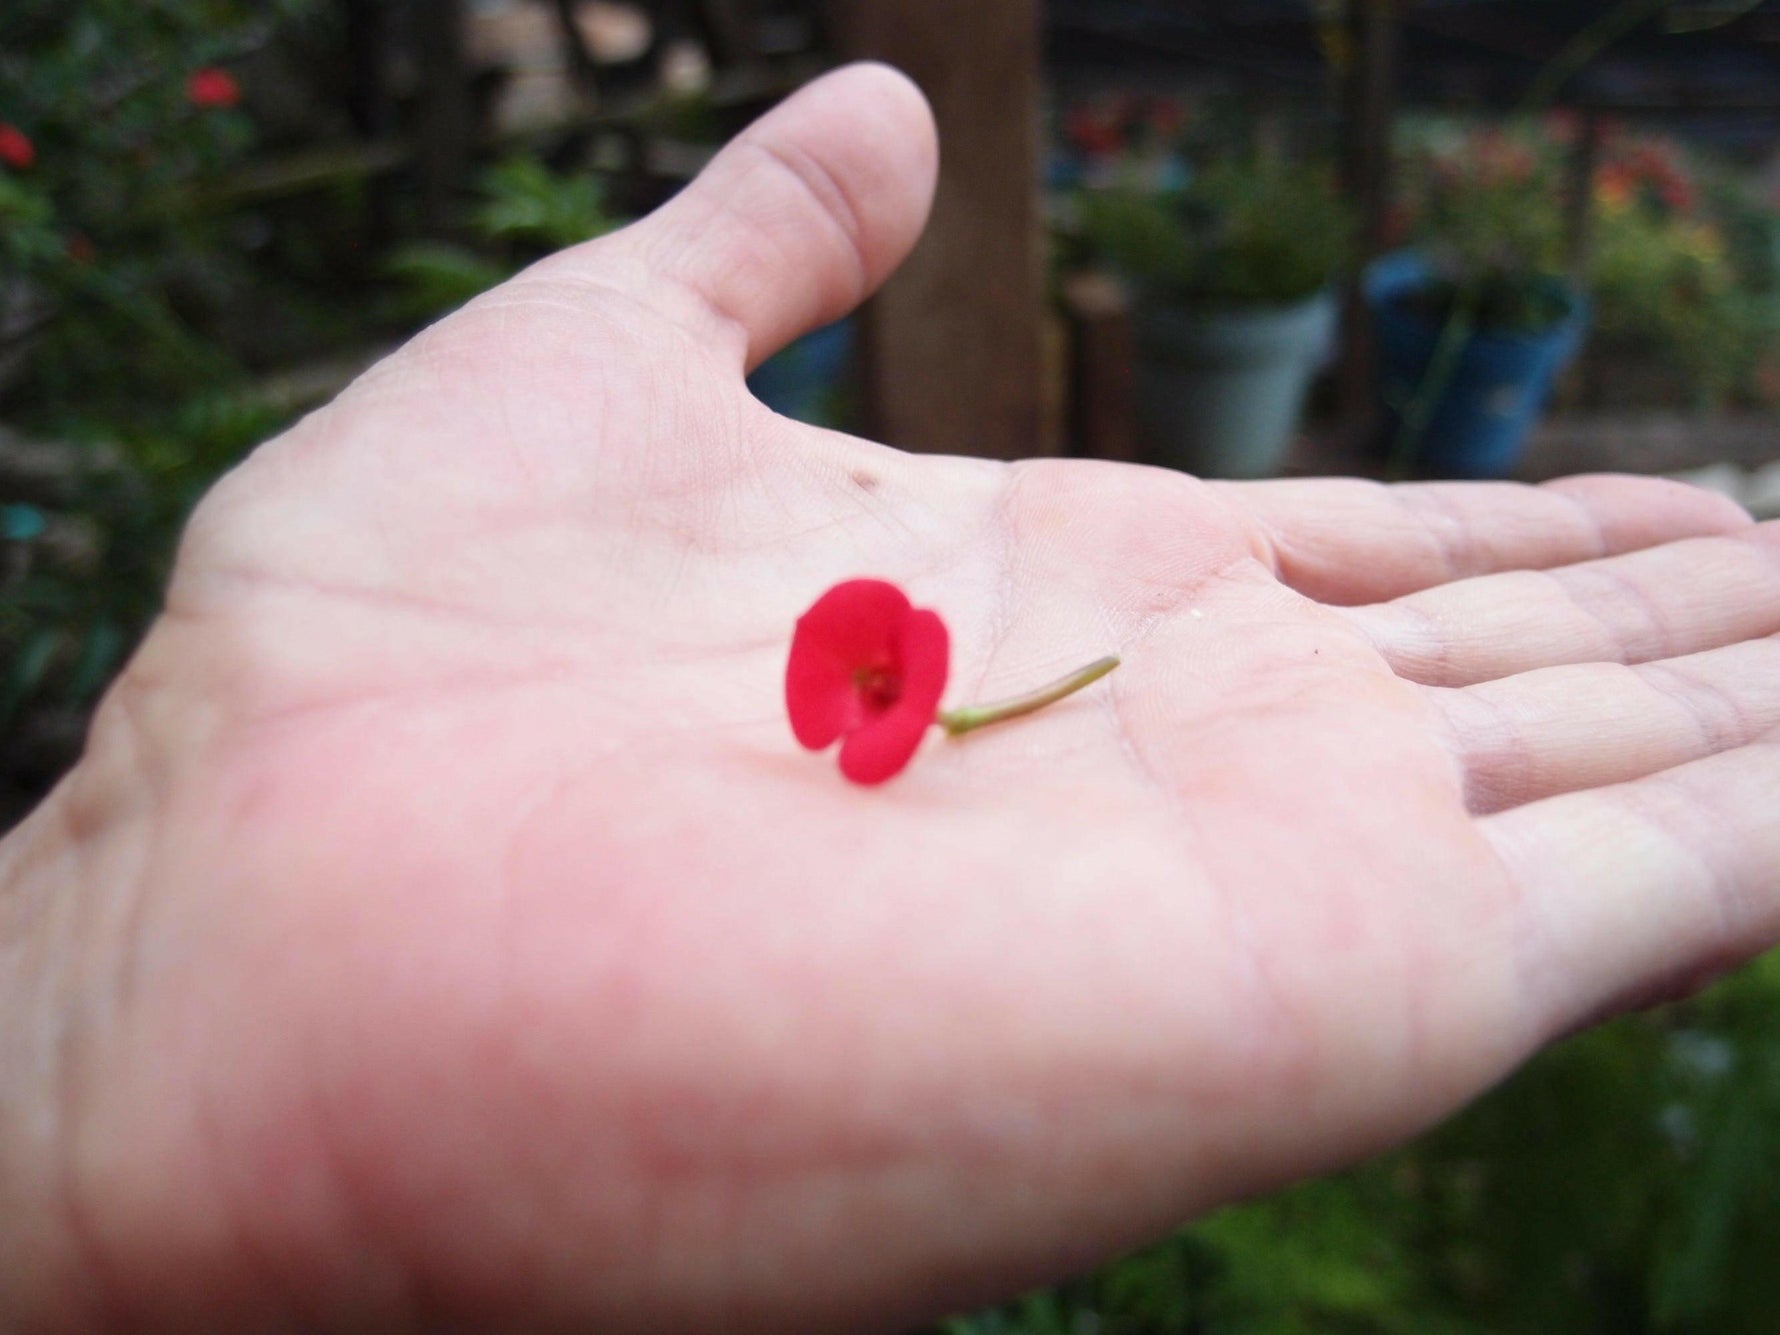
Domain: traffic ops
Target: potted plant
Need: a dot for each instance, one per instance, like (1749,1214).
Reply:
(1234,307)
(1681,281)
(1475,325)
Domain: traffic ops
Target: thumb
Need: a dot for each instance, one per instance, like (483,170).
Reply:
(800,218)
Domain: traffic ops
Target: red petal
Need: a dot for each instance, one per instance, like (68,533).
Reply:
(884,745)
(851,626)
(923,655)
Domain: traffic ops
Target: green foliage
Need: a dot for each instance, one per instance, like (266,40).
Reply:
(126,288)
(1488,209)
(1621,1184)
(524,210)
(102,244)
(1264,232)
(118,276)
(1690,277)
(435,276)
(1667,284)
(65,630)
(527,203)
(112,272)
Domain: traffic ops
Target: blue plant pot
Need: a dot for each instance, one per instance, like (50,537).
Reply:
(1494,388)
(801,381)
(1219,393)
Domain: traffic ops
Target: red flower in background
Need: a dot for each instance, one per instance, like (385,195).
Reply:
(1093,131)
(1651,170)
(1167,117)
(211,87)
(15,149)
(1563,125)
(866,669)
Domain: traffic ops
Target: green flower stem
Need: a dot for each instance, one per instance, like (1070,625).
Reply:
(959,721)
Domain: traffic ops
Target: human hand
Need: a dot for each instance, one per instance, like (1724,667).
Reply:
(443,929)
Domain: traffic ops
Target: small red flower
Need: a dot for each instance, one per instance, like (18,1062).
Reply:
(211,87)
(15,149)
(79,248)
(1093,131)
(866,669)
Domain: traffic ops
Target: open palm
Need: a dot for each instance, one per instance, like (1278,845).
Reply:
(444,928)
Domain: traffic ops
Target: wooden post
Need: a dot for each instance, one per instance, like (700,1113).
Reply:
(371,107)
(1369,95)
(1102,362)
(367,57)
(444,129)
(953,345)
(1579,189)
(729,30)
(580,58)
(1587,381)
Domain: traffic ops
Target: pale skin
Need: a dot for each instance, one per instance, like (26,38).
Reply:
(443,930)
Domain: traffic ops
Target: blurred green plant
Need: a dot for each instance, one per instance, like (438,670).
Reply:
(525,203)
(1621,1184)
(129,112)
(67,621)
(1257,232)
(119,117)
(1666,285)
(1687,276)
(523,210)
(1486,207)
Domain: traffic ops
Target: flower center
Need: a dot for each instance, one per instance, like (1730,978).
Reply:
(879,686)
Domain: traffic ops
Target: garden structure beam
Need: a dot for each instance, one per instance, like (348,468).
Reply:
(1102,368)
(370,104)
(1368,106)
(953,347)
(581,66)
(1579,201)
(445,125)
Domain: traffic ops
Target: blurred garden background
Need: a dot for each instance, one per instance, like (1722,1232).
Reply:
(1394,238)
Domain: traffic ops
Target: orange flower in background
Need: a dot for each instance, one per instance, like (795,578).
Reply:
(16,150)
(1615,185)
(211,87)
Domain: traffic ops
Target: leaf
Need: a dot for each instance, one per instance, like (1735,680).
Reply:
(440,277)
(28,670)
(100,653)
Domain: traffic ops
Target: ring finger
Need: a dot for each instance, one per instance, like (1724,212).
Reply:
(1586,725)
